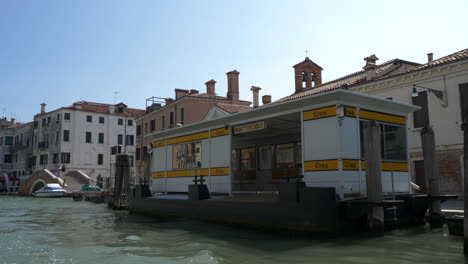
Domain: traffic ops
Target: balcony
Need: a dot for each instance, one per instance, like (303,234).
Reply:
(43,144)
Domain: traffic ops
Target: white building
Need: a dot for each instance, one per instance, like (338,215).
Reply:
(80,137)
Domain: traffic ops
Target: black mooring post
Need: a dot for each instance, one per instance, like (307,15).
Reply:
(465,183)
(121,175)
(372,148)
(432,176)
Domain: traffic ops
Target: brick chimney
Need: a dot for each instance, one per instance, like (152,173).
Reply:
(43,105)
(430,57)
(193,91)
(255,90)
(266,99)
(370,67)
(13,121)
(233,86)
(169,100)
(210,88)
(180,93)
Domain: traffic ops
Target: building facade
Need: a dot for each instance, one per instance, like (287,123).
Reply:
(189,107)
(82,137)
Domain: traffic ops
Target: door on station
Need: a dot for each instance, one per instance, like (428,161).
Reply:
(420,176)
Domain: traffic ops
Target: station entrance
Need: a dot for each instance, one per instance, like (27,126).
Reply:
(264,153)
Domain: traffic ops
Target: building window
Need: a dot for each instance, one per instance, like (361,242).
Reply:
(137,153)
(464,101)
(65,157)
(8,140)
(163,122)
(130,140)
(101,138)
(66,116)
(66,135)
(44,121)
(153,125)
(89,118)
(100,159)
(48,120)
(119,139)
(129,122)
(101,120)
(182,115)
(43,159)
(120,121)
(145,152)
(146,128)
(55,158)
(421,117)
(88,137)
(57,136)
(187,155)
(171,119)
(7,158)
(138,130)
(58,119)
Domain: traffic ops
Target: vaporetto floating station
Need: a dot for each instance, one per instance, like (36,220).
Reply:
(249,159)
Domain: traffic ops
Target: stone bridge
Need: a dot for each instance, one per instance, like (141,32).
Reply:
(72,180)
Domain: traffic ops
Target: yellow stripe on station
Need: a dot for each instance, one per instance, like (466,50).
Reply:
(191,173)
(350,111)
(159,174)
(365,114)
(188,138)
(390,166)
(350,164)
(219,132)
(320,113)
(159,143)
(220,171)
(187,173)
(321,165)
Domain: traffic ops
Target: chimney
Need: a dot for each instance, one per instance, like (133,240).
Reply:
(210,88)
(430,57)
(193,91)
(13,122)
(255,90)
(233,86)
(43,105)
(169,100)
(370,67)
(266,99)
(179,93)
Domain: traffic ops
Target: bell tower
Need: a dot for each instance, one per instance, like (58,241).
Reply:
(307,74)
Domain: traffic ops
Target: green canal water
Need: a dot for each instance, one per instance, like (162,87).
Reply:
(35,230)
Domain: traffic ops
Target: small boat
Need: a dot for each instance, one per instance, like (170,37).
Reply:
(92,193)
(50,190)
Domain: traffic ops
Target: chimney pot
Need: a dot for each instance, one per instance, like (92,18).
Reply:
(266,99)
(430,57)
(13,121)
(210,88)
(370,67)
(193,91)
(233,86)
(43,105)
(169,100)
(181,93)
(255,90)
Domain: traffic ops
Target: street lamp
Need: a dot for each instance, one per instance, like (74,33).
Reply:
(441,95)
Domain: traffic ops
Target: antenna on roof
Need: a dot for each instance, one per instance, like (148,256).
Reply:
(307,56)
(115,95)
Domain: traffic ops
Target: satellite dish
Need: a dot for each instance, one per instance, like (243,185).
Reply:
(150,149)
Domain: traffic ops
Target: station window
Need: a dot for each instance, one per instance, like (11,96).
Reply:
(392,141)
(187,155)
(248,160)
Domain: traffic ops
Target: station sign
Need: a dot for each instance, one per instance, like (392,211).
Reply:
(249,127)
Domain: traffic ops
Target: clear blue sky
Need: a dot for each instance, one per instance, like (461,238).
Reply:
(59,52)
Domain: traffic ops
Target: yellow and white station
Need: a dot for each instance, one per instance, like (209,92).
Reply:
(317,136)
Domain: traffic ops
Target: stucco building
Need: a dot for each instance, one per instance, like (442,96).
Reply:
(81,137)
(189,106)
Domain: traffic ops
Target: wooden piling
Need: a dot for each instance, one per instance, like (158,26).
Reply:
(122,174)
(432,176)
(465,183)
(372,150)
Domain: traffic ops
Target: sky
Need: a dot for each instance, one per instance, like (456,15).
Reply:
(59,52)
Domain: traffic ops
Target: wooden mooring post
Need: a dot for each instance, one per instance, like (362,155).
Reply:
(372,148)
(122,175)
(465,184)
(432,176)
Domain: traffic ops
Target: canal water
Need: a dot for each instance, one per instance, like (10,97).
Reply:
(59,230)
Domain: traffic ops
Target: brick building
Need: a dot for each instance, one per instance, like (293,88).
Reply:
(189,106)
